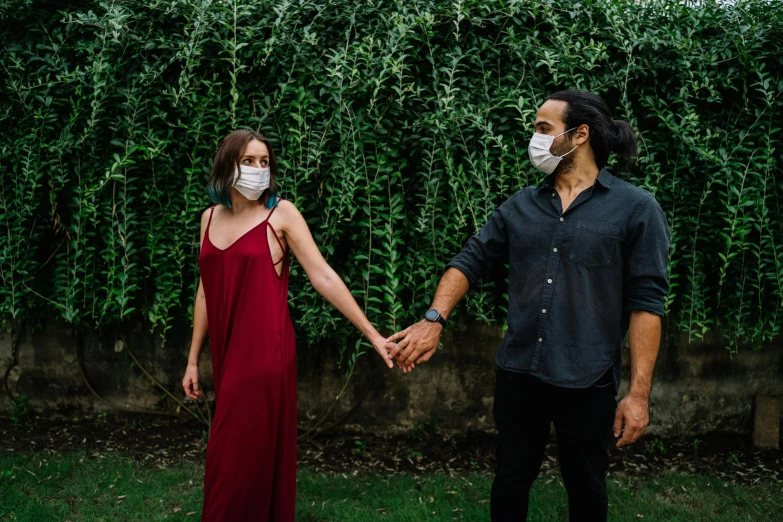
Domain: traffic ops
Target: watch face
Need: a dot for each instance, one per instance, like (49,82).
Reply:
(432,315)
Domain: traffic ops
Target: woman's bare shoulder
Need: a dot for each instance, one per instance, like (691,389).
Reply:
(287,217)
(286,205)
(287,209)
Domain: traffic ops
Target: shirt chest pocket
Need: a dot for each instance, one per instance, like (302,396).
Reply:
(595,244)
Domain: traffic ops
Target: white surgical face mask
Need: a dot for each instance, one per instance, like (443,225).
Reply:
(253,181)
(540,155)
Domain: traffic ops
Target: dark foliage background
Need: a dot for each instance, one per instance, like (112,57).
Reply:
(400,127)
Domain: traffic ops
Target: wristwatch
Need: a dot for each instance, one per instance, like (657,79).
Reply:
(434,316)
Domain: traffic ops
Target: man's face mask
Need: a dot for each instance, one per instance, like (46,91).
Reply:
(540,154)
(252,182)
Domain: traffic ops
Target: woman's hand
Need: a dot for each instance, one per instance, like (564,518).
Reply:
(190,382)
(384,349)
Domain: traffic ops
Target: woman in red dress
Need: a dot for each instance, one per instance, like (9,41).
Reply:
(242,301)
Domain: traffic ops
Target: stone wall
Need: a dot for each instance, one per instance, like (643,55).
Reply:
(697,388)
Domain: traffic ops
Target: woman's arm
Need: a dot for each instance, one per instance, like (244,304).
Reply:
(324,279)
(199,325)
(190,381)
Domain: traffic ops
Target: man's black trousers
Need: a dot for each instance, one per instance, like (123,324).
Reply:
(525,408)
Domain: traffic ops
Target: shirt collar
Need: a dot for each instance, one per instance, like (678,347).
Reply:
(548,182)
(604,179)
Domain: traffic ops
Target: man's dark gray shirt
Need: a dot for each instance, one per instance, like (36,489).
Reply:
(574,277)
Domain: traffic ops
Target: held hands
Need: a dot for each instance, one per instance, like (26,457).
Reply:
(633,412)
(418,343)
(384,349)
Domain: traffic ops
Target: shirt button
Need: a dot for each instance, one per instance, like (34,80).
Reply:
(554,250)
(562,219)
(553,194)
(543,311)
(540,339)
(549,281)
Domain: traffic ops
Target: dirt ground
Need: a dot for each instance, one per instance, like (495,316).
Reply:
(167,441)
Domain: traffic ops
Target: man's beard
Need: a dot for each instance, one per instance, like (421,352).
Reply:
(566,164)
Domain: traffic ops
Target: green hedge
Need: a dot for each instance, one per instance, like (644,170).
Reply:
(401,126)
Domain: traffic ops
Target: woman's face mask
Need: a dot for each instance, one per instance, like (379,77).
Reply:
(252,182)
(540,154)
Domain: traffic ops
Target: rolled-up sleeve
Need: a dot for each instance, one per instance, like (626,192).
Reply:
(486,252)
(646,259)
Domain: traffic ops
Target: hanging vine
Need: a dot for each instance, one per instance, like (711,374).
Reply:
(400,127)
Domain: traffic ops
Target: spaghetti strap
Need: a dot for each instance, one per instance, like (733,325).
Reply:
(274,232)
(282,248)
(212,213)
(270,214)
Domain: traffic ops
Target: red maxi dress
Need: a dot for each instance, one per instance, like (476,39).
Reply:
(251,454)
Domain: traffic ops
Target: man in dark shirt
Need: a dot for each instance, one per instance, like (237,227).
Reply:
(587,256)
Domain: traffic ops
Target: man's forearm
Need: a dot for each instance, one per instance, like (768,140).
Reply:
(644,339)
(452,288)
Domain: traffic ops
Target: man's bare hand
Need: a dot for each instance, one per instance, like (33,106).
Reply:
(633,412)
(417,344)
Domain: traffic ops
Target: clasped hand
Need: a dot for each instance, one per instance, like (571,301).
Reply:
(415,344)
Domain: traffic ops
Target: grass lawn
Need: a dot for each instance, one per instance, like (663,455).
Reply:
(78,487)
